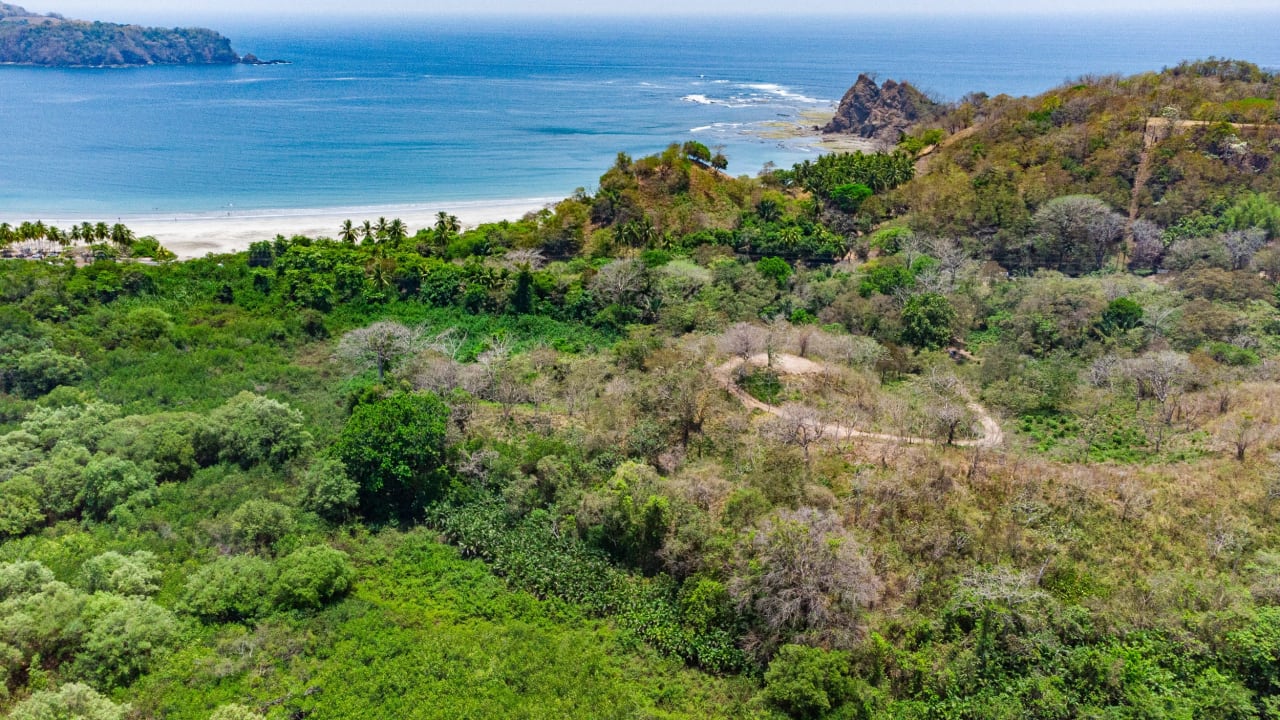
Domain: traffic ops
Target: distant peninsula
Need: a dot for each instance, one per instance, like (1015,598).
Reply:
(54,41)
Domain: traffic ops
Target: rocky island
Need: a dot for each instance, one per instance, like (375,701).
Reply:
(54,41)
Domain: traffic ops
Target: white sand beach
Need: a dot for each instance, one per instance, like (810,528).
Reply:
(198,234)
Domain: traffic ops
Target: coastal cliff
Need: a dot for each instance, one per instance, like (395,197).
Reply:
(881,112)
(54,41)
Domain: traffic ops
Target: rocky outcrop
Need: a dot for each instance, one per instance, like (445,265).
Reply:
(54,41)
(881,112)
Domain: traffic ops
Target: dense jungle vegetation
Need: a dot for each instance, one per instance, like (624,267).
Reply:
(499,472)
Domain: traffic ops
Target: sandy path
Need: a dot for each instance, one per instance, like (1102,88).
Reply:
(795,365)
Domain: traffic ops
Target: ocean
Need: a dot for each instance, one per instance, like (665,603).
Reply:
(375,112)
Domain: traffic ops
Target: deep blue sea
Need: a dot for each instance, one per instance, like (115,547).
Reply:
(381,113)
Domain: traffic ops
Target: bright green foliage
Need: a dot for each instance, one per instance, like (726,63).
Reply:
(395,449)
(1121,314)
(311,576)
(60,477)
(884,277)
(878,171)
(260,523)
(849,196)
(328,490)
(1255,650)
(775,268)
(695,150)
(109,481)
(81,424)
(162,441)
(73,701)
(19,507)
(1254,210)
(1229,354)
(231,588)
(534,555)
(23,578)
(808,682)
(250,429)
(628,519)
(39,372)
(125,636)
(927,320)
(133,574)
(763,384)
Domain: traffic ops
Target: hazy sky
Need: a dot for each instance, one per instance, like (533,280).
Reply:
(124,10)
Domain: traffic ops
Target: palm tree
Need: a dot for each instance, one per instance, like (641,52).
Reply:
(397,231)
(56,236)
(446,224)
(39,233)
(101,232)
(445,228)
(348,233)
(121,237)
(7,235)
(381,273)
(86,232)
(381,228)
(366,230)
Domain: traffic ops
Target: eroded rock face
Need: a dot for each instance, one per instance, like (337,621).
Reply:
(880,112)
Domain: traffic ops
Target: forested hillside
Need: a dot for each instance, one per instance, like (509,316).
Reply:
(937,433)
(51,40)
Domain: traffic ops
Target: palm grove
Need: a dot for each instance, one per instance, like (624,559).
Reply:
(516,470)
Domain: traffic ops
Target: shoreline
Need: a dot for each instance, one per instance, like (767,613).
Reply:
(193,235)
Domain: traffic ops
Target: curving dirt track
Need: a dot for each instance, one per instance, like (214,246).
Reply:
(992,435)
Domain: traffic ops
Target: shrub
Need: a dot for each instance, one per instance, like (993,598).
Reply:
(109,481)
(121,574)
(927,321)
(74,701)
(39,372)
(71,424)
(260,523)
(808,682)
(19,507)
(231,588)
(162,441)
(1121,314)
(807,578)
(328,491)
(1229,354)
(19,579)
(124,637)
(60,478)
(774,268)
(310,576)
(849,196)
(251,429)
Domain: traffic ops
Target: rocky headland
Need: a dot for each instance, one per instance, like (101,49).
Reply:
(54,41)
(881,112)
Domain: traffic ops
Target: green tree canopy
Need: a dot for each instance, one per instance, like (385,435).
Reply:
(926,320)
(394,449)
(310,576)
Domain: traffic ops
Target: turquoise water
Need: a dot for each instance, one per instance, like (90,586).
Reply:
(380,113)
